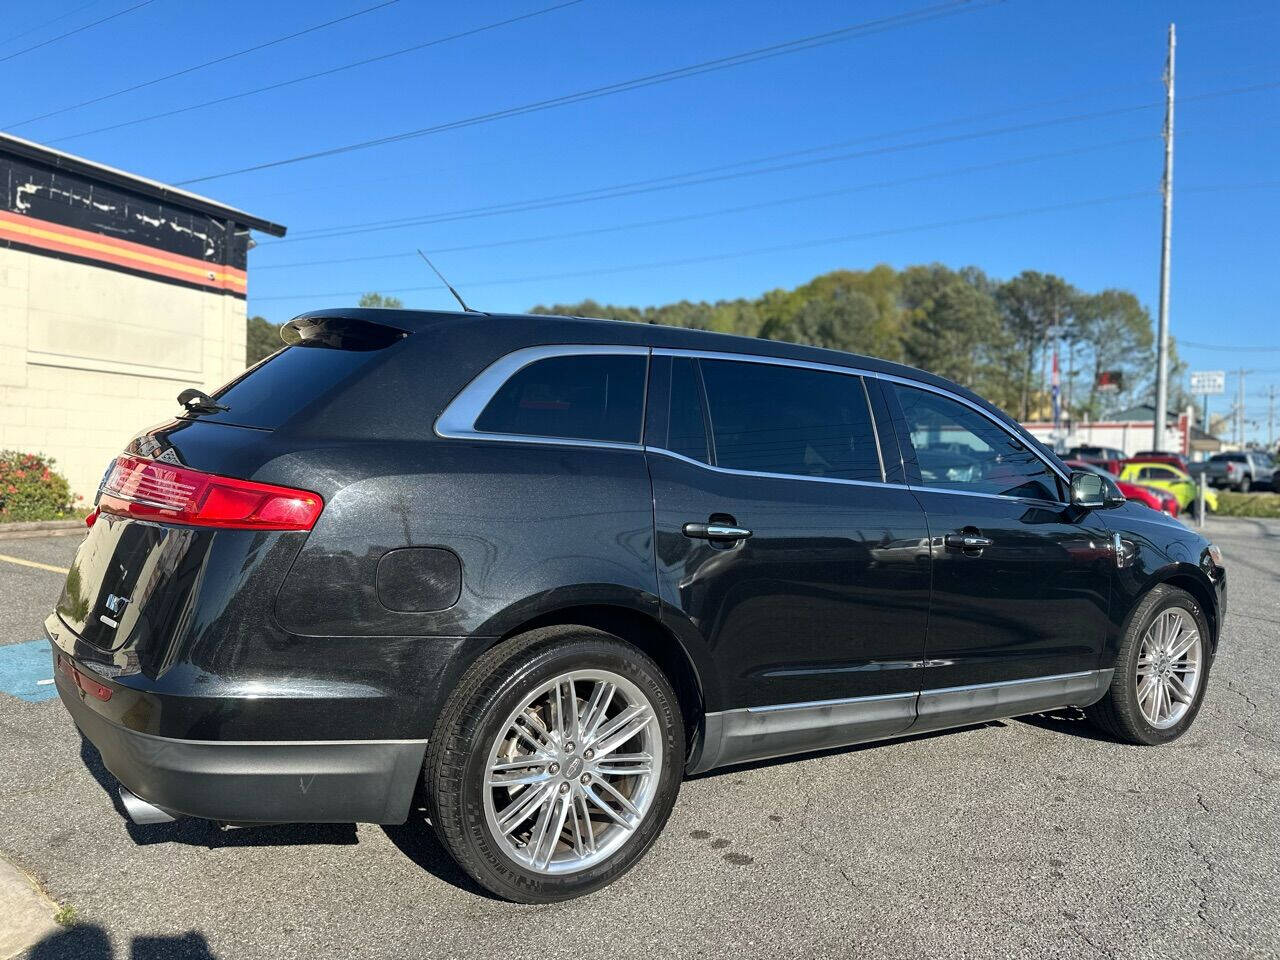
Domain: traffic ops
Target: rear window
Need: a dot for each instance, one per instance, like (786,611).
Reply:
(587,397)
(1228,458)
(267,395)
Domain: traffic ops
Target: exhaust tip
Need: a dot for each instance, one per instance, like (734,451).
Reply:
(140,811)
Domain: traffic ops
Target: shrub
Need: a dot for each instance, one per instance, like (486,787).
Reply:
(30,489)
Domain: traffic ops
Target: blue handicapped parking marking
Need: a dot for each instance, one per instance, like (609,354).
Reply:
(22,668)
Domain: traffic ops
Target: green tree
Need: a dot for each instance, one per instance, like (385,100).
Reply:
(378,300)
(951,326)
(1032,304)
(262,338)
(1114,330)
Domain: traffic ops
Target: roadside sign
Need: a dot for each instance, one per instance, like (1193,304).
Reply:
(1208,383)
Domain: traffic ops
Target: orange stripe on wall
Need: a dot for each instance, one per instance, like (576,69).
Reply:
(56,237)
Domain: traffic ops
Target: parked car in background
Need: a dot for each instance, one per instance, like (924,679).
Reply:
(1165,477)
(1160,500)
(1163,456)
(1241,470)
(1109,458)
(533,570)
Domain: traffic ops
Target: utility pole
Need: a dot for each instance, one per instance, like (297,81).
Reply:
(1271,417)
(1240,406)
(1166,189)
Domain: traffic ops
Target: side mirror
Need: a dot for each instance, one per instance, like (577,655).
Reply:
(1088,490)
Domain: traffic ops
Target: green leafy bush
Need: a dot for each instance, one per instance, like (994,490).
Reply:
(30,489)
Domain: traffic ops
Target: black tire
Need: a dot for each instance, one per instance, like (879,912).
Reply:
(1245,484)
(488,692)
(1117,713)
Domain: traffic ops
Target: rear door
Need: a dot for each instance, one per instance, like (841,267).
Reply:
(780,540)
(1021,580)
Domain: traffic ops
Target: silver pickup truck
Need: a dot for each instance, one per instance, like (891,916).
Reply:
(1241,471)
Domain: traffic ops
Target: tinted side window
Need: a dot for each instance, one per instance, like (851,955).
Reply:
(959,448)
(574,397)
(686,426)
(777,419)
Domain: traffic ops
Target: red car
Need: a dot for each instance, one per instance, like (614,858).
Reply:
(1155,456)
(1152,497)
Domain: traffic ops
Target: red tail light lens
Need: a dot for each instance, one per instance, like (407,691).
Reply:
(153,490)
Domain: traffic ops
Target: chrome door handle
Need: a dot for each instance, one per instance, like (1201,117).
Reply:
(715,531)
(967,541)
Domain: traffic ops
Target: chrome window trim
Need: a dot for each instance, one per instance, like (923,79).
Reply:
(458,419)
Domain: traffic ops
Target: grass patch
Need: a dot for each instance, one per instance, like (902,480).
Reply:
(1232,504)
(66,916)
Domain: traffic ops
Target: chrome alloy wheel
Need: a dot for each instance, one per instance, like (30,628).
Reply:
(573,772)
(1169,668)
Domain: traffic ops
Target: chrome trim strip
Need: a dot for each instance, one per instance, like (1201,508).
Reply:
(979,493)
(809,704)
(458,419)
(770,476)
(759,733)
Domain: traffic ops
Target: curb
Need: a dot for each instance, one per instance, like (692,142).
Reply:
(26,911)
(41,528)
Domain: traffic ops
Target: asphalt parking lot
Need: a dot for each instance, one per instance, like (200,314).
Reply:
(1030,837)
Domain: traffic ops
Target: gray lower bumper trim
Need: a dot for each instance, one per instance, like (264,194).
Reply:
(760,733)
(327,781)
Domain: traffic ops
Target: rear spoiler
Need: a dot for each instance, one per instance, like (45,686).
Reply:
(340,333)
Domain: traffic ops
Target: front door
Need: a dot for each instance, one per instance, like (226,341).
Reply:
(779,541)
(1021,579)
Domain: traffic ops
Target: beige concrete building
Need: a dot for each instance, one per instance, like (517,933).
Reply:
(116,292)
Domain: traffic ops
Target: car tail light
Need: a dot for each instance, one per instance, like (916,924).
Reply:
(152,490)
(99,691)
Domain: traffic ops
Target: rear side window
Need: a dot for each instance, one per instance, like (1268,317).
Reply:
(958,448)
(282,385)
(588,397)
(769,418)
(1228,458)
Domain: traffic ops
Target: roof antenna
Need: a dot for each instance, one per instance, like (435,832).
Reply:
(455,293)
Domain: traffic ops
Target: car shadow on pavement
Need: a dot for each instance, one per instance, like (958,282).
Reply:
(416,839)
(88,941)
(1069,720)
(206,833)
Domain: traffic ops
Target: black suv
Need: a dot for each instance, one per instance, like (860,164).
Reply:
(538,569)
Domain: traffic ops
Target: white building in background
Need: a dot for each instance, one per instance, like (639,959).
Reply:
(116,292)
(1132,431)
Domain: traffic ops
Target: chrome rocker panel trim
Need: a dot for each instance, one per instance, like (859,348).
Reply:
(763,733)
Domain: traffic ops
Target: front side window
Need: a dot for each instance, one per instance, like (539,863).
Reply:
(958,448)
(769,418)
(576,397)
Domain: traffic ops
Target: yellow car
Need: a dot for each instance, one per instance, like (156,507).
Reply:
(1169,478)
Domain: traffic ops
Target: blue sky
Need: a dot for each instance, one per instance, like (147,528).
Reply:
(918,174)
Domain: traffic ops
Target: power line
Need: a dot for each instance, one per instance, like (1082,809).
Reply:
(1227,347)
(814,41)
(314,76)
(740,208)
(48,23)
(72,33)
(688,178)
(756,251)
(207,63)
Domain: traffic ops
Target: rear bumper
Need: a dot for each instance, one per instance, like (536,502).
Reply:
(298,781)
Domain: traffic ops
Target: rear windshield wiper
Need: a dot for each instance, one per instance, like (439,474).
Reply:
(198,402)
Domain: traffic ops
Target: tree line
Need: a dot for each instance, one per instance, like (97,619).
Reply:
(995,337)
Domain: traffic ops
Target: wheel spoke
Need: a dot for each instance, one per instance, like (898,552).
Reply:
(1180,691)
(601,697)
(622,728)
(613,814)
(1145,690)
(1183,644)
(518,779)
(584,837)
(520,809)
(549,836)
(530,728)
(623,800)
(566,701)
(625,765)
